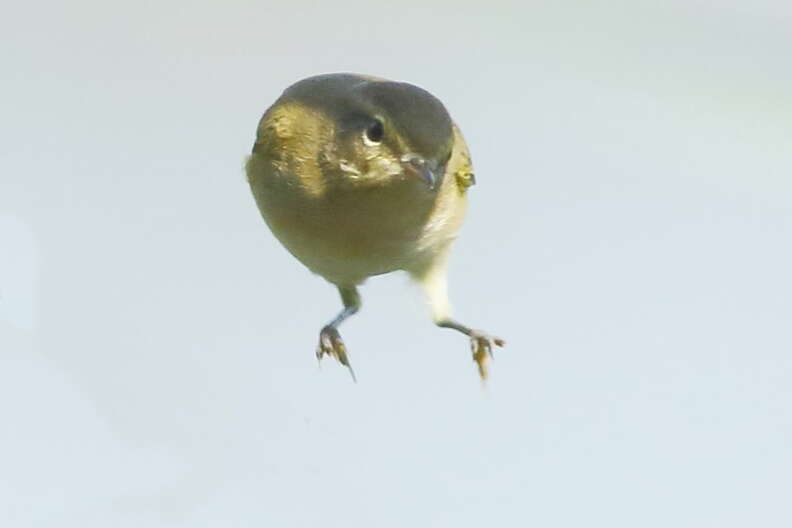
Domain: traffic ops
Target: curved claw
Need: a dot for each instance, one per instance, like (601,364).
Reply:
(481,345)
(331,344)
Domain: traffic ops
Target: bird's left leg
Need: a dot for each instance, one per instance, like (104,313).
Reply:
(330,342)
(432,276)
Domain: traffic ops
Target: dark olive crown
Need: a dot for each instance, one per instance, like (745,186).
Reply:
(355,103)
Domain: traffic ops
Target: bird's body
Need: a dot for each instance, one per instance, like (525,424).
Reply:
(346,233)
(358,176)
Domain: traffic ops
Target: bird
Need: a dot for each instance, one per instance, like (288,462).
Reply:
(359,176)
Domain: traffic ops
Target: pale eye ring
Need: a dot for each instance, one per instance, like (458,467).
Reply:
(374,133)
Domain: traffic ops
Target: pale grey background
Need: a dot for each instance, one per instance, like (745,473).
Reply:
(629,237)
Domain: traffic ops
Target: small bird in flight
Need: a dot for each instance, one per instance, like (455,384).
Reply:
(359,176)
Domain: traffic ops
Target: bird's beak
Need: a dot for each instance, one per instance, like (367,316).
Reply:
(430,172)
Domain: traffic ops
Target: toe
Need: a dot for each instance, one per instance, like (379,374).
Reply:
(331,344)
(482,344)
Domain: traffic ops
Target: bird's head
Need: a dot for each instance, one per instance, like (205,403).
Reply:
(382,131)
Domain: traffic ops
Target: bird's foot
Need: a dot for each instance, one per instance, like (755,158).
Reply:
(331,344)
(481,345)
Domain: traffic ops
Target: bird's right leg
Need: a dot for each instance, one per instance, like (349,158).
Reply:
(330,342)
(432,277)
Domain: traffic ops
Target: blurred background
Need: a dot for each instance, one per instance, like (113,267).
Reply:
(629,237)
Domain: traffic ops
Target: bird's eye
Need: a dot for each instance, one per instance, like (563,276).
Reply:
(373,134)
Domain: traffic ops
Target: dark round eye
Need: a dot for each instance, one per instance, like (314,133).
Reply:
(375,131)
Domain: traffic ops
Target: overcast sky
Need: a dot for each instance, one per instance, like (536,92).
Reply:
(629,237)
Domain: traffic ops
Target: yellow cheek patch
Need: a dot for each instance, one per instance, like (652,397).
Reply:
(461,159)
(293,137)
(465,178)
